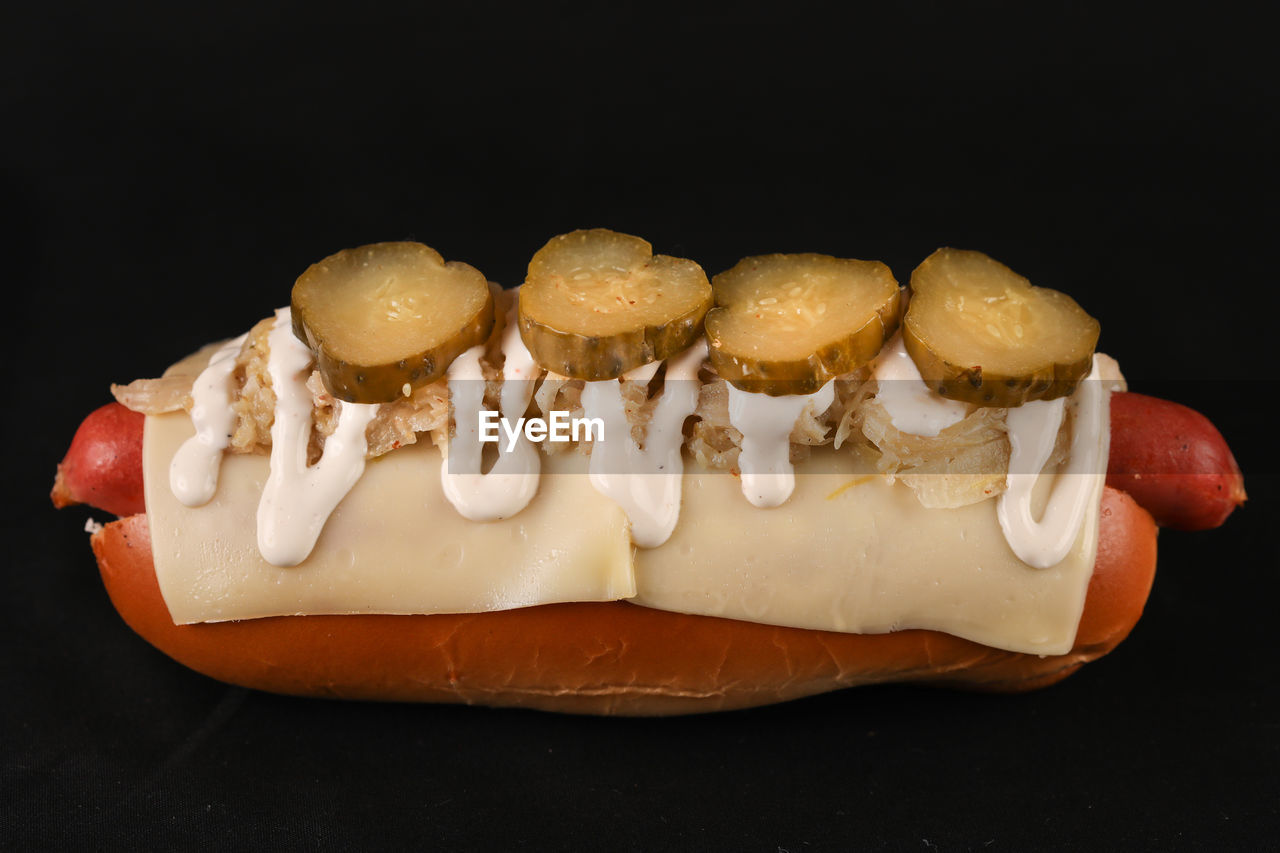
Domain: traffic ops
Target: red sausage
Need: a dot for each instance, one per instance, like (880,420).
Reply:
(1173,461)
(103,466)
(1170,458)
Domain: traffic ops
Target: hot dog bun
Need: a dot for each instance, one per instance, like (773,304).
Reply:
(609,658)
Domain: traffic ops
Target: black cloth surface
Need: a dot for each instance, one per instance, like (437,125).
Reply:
(167,172)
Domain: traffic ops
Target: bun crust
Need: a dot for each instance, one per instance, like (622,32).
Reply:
(612,658)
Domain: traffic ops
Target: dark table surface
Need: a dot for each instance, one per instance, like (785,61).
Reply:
(167,174)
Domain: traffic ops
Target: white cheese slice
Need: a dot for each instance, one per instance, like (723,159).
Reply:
(393,545)
(849,551)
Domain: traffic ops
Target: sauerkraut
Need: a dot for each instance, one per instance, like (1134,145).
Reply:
(965,463)
(398,424)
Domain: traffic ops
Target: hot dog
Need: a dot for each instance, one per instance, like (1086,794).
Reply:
(613,656)
(446,658)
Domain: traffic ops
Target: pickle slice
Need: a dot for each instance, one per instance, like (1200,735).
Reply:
(981,333)
(787,324)
(598,303)
(389,315)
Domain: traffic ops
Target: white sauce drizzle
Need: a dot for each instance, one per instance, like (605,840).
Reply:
(913,407)
(645,482)
(765,422)
(193,473)
(298,499)
(1033,427)
(513,480)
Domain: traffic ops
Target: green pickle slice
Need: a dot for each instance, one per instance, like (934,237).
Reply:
(981,333)
(389,316)
(597,303)
(787,324)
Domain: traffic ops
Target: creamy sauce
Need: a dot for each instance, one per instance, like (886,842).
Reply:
(1033,427)
(913,407)
(645,481)
(193,473)
(297,499)
(766,423)
(513,480)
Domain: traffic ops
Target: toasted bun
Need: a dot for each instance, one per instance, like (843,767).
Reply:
(613,658)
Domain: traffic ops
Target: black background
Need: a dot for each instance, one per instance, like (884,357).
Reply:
(167,172)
